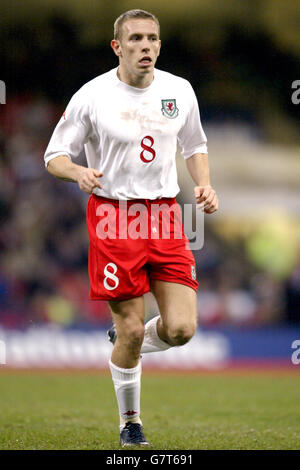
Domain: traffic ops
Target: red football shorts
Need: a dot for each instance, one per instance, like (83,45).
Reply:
(134,242)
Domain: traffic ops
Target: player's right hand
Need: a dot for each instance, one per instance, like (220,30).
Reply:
(87,180)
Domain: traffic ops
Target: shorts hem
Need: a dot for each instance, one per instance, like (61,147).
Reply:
(177,281)
(129,297)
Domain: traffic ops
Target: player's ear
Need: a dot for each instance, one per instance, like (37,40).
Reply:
(116,46)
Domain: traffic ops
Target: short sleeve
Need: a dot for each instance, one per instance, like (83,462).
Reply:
(191,136)
(72,130)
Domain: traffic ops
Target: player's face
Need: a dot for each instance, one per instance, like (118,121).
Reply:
(139,46)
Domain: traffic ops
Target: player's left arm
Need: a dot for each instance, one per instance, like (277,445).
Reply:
(205,195)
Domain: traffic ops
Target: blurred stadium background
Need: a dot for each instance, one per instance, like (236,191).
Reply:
(241,58)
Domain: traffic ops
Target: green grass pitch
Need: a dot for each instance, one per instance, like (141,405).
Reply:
(41,410)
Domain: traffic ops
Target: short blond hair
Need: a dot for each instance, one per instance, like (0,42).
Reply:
(132,14)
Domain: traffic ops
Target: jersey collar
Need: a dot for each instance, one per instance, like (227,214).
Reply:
(131,89)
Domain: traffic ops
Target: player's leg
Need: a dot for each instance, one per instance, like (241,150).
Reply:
(177,321)
(128,318)
(125,366)
(178,312)
(116,272)
(173,282)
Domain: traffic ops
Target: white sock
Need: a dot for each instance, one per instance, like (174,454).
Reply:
(152,342)
(127,383)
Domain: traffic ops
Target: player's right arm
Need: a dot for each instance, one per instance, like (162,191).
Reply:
(63,168)
(71,133)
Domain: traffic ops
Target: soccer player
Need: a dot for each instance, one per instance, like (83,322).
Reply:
(129,121)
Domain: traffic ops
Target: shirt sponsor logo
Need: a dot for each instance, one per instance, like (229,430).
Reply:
(169,108)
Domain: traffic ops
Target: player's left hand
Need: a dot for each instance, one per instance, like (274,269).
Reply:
(206,199)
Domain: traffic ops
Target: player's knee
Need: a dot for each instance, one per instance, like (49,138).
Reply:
(137,335)
(133,335)
(181,334)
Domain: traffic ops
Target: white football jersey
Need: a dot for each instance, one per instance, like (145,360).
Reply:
(130,134)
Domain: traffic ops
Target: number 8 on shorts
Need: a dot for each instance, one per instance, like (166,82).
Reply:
(111,275)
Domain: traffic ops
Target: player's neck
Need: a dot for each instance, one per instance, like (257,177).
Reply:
(133,80)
